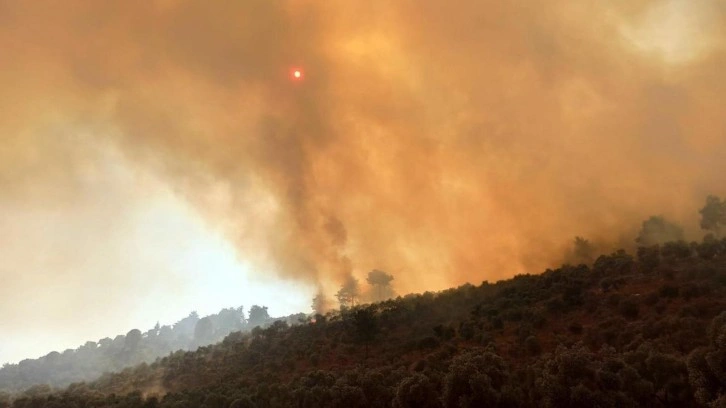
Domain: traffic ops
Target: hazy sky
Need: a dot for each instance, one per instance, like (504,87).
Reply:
(145,258)
(156,156)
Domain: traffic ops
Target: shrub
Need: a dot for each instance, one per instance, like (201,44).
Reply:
(533,345)
(575,328)
(428,342)
(629,308)
(651,298)
(668,291)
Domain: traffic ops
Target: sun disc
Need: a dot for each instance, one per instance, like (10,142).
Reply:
(296,74)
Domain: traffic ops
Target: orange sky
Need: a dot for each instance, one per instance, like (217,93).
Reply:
(443,143)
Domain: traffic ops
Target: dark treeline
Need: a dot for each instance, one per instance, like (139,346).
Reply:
(625,330)
(658,230)
(93,359)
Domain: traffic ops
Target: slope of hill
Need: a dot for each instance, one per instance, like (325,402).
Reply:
(648,330)
(91,360)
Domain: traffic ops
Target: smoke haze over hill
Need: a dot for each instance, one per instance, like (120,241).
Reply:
(441,143)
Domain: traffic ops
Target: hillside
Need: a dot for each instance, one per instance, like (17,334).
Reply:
(631,330)
(92,359)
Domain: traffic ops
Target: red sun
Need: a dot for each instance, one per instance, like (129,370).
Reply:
(297,74)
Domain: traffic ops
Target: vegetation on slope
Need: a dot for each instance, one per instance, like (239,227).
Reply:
(648,330)
(644,329)
(91,360)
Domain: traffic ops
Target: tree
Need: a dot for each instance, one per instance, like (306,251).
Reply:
(658,230)
(533,345)
(241,313)
(320,303)
(707,366)
(186,325)
(244,402)
(348,293)
(258,316)
(229,320)
(475,379)
(204,331)
(381,283)
(166,333)
(4,400)
(155,330)
(417,391)
(648,258)
(133,338)
(617,263)
(583,251)
(676,250)
(562,372)
(365,326)
(713,215)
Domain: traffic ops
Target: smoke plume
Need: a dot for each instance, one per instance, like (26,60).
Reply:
(441,142)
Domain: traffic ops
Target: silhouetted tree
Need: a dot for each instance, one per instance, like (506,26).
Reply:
(617,263)
(475,380)
(417,391)
(713,215)
(258,316)
(709,247)
(648,258)
(229,320)
(583,251)
(562,373)
(381,284)
(204,331)
(676,250)
(186,325)
(658,230)
(707,366)
(133,338)
(320,304)
(365,326)
(155,330)
(348,294)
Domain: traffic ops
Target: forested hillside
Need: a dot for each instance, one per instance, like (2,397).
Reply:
(92,359)
(647,329)
(618,330)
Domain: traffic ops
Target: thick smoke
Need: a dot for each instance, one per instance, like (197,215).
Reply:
(442,142)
